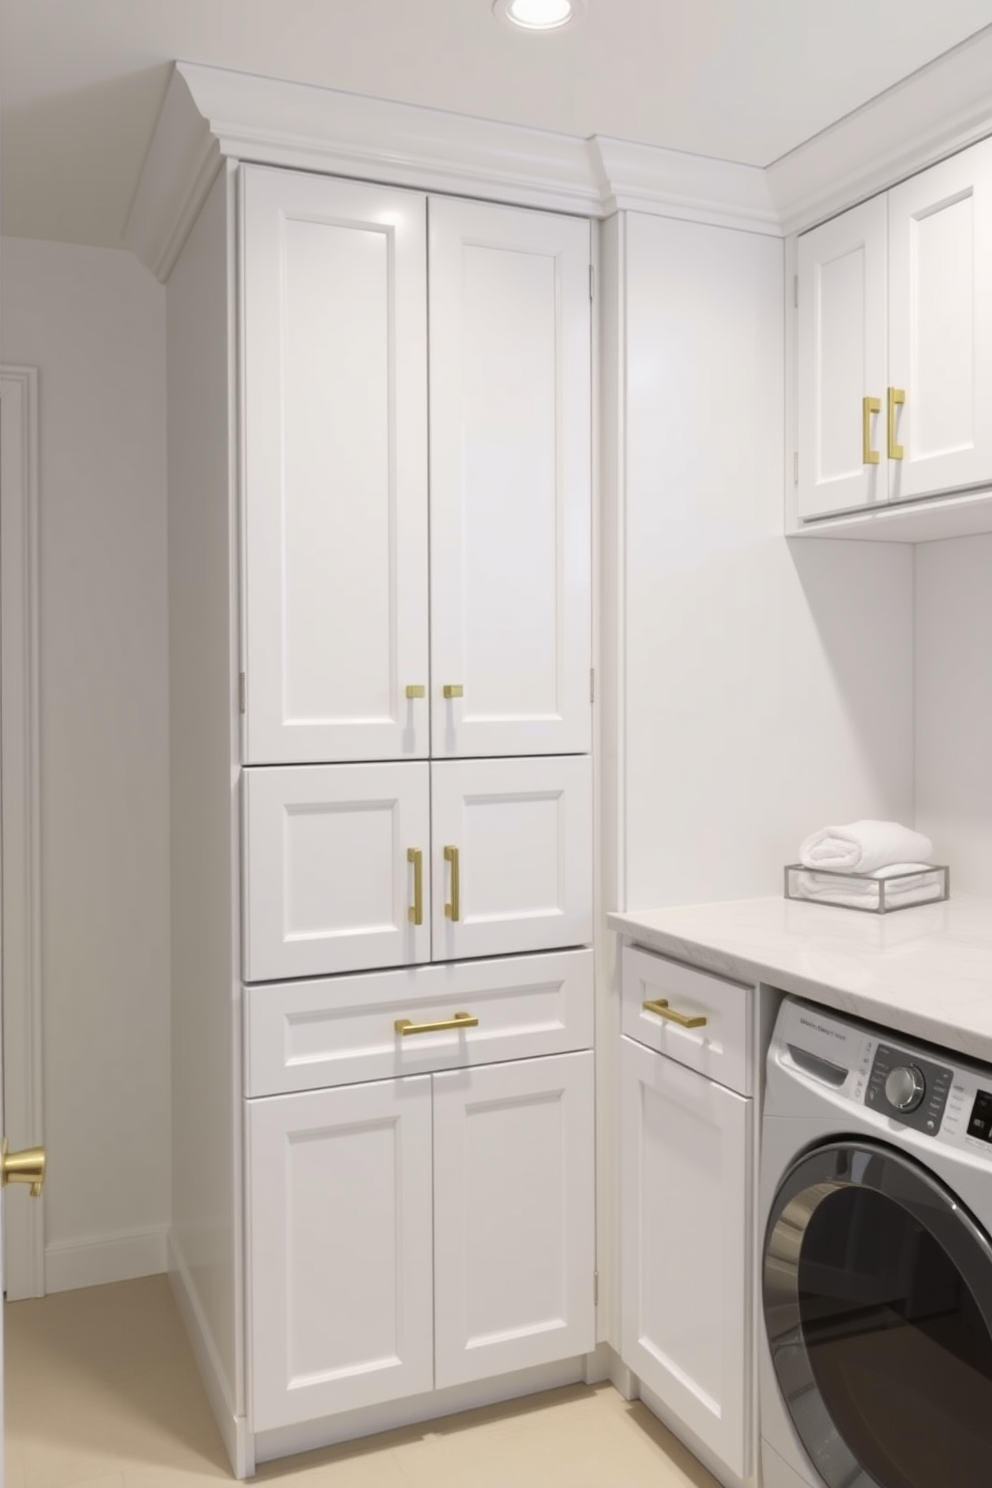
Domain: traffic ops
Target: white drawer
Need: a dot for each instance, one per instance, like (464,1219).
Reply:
(339,1030)
(719,1047)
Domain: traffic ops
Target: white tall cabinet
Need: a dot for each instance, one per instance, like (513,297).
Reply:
(403,486)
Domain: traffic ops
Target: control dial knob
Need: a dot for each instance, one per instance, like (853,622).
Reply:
(905,1087)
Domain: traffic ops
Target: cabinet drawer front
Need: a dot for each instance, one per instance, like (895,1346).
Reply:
(301,1036)
(327,881)
(720,1047)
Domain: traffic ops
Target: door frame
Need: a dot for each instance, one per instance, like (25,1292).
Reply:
(20,794)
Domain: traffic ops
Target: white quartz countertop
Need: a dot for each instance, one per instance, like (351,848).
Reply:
(925,971)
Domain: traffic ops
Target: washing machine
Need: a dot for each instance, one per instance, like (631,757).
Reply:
(875,1361)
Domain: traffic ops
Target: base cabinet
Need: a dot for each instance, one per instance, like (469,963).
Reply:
(685,1217)
(418,1233)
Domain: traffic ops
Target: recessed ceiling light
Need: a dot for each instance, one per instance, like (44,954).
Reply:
(538,15)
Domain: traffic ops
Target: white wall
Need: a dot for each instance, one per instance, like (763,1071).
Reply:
(954,706)
(93,322)
(766,686)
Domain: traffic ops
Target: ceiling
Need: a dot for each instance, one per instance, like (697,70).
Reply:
(81,81)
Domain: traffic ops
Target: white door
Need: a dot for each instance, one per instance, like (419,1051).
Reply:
(685,1245)
(512,855)
(339,1249)
(335,469)
(336,868)
(510,480)
(841,362)
(514,1216)
(940,326)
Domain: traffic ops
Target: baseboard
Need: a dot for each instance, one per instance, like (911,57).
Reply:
(100,1259)
(238,1443)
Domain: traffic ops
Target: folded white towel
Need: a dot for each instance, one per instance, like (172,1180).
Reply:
(863,846)
(916,890)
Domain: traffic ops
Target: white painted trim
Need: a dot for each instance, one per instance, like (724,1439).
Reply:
(23,1109)
(238,1441)
(671,183)
(99,1259)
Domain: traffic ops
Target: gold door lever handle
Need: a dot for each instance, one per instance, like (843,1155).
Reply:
(684,1020)
(869,406)
(460,1020)
(415,912)
(452,911)
(22,1167)
(897,396)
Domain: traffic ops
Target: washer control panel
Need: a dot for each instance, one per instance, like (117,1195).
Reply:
(909,1087)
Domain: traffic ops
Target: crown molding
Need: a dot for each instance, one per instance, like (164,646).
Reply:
(942,108)
(672,183)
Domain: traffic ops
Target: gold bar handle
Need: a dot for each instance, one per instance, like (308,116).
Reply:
(664,1011)
(415,913)
(897,396)
(869,406)
(460,1020)
(415,690)
(452,911)
(453,690)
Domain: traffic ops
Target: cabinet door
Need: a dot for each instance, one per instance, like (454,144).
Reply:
(513,1216)
(512,855)
(940,325)
(685,1246)
(841,360)
(335,469)
(329,884)
(510,480)
(339,1249)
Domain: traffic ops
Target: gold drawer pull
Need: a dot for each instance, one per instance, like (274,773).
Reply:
(453,690)
(452,911)
(415,913)
(664,1011)
(460,1020)
(869,406)
(896,396)
(415,690)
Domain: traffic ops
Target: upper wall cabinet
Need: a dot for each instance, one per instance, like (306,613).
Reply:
(339,310)
(894,344)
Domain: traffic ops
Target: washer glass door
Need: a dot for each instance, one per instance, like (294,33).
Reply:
(878,1308)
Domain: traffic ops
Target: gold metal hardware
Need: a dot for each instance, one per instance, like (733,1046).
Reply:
(453,690)
(664,1011)
(452,911)
(460,1020)
(415,690)
(897,396)
(415,913)
(22,1167)
(869,406)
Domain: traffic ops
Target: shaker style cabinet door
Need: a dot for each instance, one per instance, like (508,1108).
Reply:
(514,1216)
(336,869)
(339,1249)
(510,480)
(335,469)
(684,1214)
(841,363)
(940,326)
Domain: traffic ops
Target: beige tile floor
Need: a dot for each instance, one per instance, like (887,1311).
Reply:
(102,1392)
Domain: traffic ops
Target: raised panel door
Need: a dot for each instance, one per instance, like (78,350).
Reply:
(514,1216)
(685,1246)
(329,881)
(510,480)
(512,855)
(335,469)
(940,325)
(841,360)
(339,1249)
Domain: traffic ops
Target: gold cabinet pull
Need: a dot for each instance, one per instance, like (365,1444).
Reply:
(869,406)
(415,690)
(453,690)
(22,1167)
(664,1011)
(415,913)
(897,396)
(460,1020)
(452,911)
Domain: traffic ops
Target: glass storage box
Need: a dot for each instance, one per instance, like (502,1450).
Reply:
(866,891)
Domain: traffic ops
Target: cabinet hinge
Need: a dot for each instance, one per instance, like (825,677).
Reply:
(592,684)
(592,281)
(795,468)
(595,1288)
(242,688)
(795,290)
